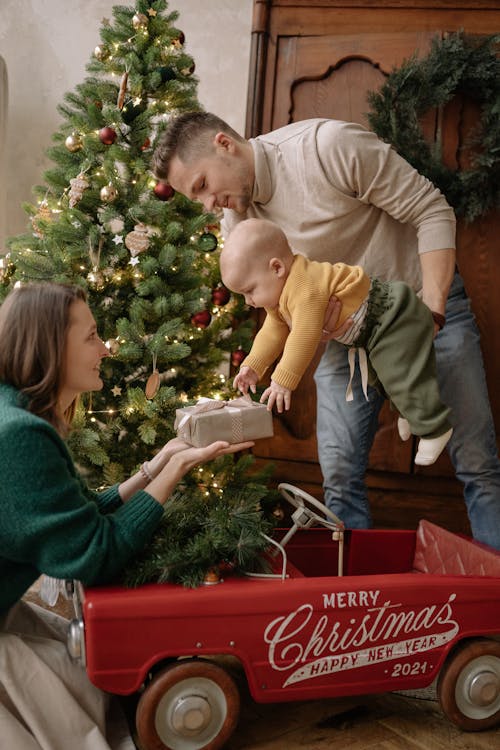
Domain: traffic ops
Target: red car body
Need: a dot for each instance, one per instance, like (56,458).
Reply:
(407,606)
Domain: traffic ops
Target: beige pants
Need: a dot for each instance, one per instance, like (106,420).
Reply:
(47,701)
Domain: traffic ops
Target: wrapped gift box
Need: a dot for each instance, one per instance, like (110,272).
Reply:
(234,421)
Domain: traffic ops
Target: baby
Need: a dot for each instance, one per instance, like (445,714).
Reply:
(390,324)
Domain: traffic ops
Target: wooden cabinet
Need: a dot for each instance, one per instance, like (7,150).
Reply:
(319,58)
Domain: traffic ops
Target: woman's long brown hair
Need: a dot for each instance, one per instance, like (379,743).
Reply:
(34,319)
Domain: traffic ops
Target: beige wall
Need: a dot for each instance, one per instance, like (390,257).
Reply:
(46,45)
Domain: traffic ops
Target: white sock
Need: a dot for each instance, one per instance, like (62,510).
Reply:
(430,448)
(404,428)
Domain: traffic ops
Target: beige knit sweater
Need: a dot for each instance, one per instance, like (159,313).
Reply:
(341,194)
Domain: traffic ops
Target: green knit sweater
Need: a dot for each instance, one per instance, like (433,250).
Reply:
(50,522)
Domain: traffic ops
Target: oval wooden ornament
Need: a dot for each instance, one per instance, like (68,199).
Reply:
(152,384)
(123,90)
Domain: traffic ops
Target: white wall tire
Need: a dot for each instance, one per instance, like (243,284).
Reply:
(469,685)
(189,705)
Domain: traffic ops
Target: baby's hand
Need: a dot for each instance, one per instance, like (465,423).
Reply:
(277,394)
(245,379)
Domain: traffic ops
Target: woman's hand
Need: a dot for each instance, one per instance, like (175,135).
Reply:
(332,315)
(177,445)
(156,464)
(170,464)
(183,461)
(188,457)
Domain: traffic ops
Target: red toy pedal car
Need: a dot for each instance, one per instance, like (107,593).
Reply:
(343,613)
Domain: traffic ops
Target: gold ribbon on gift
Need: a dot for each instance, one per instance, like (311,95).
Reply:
(211,404)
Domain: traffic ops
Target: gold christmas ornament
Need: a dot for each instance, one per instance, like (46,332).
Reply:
(96,279)
(140,21)
(212,576)
(3,269)
(109,193)
(73,142)
(43,214)
(113,346)
(138,240)
(279,513)
(101,52)
(179,40)
(78,185)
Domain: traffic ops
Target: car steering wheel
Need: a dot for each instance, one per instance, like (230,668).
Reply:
(301,500)
(304,516)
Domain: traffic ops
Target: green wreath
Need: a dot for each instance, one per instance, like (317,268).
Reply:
(455,65)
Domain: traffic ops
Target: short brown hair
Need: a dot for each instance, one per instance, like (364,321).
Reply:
(34,320)
(187,136)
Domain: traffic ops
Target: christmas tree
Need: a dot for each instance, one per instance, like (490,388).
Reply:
(147,257)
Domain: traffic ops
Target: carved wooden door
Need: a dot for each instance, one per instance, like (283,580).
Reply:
(319,58)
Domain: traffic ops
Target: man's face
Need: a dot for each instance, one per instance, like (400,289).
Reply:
(221,179)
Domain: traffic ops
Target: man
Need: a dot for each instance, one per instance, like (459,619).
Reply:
(332,184)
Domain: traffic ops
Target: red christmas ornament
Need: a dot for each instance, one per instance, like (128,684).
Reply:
(237,357)
(163,191)
(221,295)
(179,41)
(107,135)
(146,144)
(201,319)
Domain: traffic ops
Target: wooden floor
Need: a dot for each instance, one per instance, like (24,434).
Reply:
(382,722)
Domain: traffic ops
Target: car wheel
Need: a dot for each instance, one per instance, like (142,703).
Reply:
(190,705)
(469,686)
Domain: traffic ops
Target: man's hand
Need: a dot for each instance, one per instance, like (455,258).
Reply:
(277,394)
(246,379)
(332,314)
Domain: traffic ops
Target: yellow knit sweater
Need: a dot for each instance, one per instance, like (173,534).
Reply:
(294,327)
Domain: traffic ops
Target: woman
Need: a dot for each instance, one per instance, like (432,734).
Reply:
(52,523)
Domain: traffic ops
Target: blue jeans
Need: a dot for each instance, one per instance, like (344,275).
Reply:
(346,430)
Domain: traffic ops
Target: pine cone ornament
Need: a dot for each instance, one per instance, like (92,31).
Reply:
(78,185)
(45,214)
